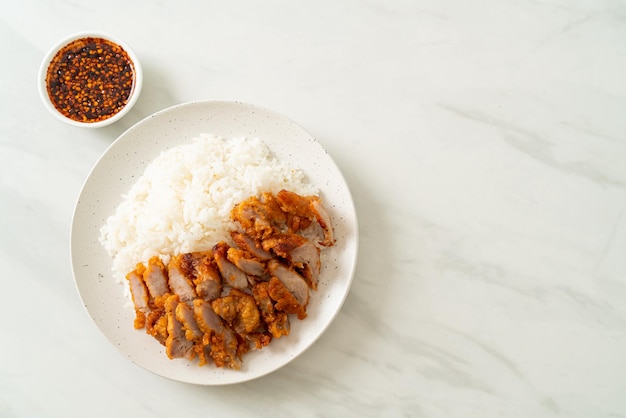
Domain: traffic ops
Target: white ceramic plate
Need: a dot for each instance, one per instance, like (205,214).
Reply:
(124,162)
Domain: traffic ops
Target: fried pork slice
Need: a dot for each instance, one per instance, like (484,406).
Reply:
(283,244)
(139,294)
(230,273)
(222,339)
(250,245)
(179,283)
(176,345)
(206,318)
(156,324)
(285,300)
(259,217)
(293,281)
(307,259)
(259,339)
(201,270)
(239,310)
(201,345)
(184,314)
(323,218)
(308,207)
(300,252)
(273,209)
(155,277)
(226,308)
(245,262)
(225,349)
(277,322)
(248,317)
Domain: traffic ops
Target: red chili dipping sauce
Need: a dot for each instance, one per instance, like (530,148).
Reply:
(90,79)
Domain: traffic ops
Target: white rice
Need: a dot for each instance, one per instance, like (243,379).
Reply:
(183,200)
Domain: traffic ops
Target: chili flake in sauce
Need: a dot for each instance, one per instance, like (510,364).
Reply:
(90,79)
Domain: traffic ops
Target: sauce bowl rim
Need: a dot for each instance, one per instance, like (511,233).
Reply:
(47,59)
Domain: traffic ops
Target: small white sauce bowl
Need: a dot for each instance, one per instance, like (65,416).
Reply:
(43,88)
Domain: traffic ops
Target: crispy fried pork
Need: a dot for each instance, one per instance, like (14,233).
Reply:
(201,345)
(200,269)
(209,287)
(156,324)
(277,322)
(250,245)
(323,219)
(259,339)
(285,301)
(217,305)
(282,244)
(139,294)
(293,281)
(307,207)
(206,318)
(259,217)
(301,253)
(176,345)
(223,340)
(306,258)
(239,310)
(230,273)
(225,349)
(226,308)
(245,262)
(155,277)
(179,283)
(185,316)
(248,317)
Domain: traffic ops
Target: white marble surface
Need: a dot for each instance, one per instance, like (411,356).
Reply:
(485,146)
